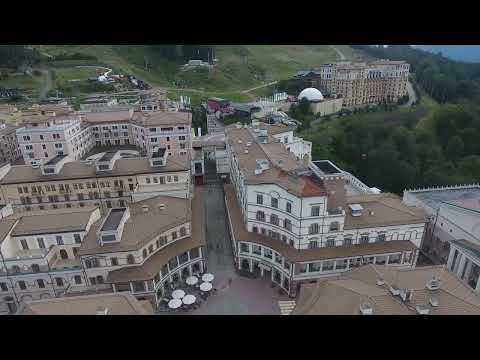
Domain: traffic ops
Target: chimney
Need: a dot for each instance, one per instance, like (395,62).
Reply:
(102,310)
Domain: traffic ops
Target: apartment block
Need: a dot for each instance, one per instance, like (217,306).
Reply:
(39,254)
(46,135)
(109,181)
(9,149)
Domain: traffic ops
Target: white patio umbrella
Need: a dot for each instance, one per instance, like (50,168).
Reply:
(206,286)
(191,280)
(189,299)
(178,294)
(174,303)
(208,277)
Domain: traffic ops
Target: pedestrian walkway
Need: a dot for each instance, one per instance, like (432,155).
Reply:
(286,307)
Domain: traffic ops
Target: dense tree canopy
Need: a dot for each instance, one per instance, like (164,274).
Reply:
(394,157)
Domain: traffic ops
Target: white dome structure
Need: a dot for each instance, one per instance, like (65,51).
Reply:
(311,94)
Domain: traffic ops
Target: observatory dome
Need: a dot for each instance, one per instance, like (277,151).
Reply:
(311,94)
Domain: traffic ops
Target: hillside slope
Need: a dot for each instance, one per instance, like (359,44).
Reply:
(239,66)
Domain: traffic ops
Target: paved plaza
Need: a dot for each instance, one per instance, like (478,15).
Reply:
(236,295)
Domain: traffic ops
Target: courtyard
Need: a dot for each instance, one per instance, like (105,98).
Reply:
(235,295)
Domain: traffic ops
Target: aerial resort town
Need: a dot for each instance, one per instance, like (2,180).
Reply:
(306,192)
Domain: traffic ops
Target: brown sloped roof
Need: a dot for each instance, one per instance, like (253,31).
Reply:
(159,118)
(344,294)
(388,209)
(153,264)
(117,304)
(52,223)
(142,226)
(294,255)
(80,170)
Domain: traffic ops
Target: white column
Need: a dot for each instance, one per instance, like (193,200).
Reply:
(469,266)
(250,261)
(461,265)
(450,257)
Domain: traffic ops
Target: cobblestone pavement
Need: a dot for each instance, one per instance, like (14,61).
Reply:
(235,295)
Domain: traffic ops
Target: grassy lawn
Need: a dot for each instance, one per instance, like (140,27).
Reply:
(29,84)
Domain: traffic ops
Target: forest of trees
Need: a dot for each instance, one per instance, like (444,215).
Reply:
(443,79)
(14,56)
(394,157)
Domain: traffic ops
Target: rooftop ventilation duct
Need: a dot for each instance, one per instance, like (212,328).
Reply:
(380,282)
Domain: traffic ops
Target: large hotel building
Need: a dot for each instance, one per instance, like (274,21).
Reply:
(360,83)
(294,221)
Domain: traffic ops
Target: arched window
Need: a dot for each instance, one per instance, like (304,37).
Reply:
(183,231)
(260,216)
(88,264)
(144,253)
(99,279)
(334,226)
(35,268)
(130,259)
(274,219)
(313,229)
(63,254)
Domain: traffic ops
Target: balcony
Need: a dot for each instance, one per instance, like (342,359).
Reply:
(66,265)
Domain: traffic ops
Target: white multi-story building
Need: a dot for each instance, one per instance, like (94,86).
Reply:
(39,257)
(146,248)
(453,232)
(42,137)
(143,249)
(295,220)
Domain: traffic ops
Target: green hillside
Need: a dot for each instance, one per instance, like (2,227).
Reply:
(240,67)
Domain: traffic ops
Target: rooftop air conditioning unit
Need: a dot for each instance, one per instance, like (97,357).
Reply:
(434,301)
(161,206)
(380,282)
(366,309)
(394,290)
(433,284)
(145,208)
(246,151)
(240,141)
(422,309)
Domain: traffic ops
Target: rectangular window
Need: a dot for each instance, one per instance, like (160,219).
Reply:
(274,203)
(315,210)
(244,248)
(3,286)
(78,279)
(59,281)
(114,261)
(24,244)
(41,243)
(59,240)
(22,285)
(77,238)
(257,249)
(314,267)
(289,207)
(259,199)
(41,283)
